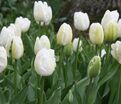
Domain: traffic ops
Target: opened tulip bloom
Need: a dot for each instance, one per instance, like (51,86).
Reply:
(42,12)
(23,23)
(81,21)
(75,44)
(17,47)
(42,42)
(64,35)
(116,51)
(3,59)
(109,16)
(45,62)
(96,33)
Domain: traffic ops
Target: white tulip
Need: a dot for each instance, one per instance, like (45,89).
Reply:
(81,21)
(42,12)
(3,59)
(111,31)
(103,53)
(17,47)
(43,42)
(96,33)
(109,16)
(64,35)
(45,62)
(23,23)
(5,36)
(75,44)
(119,27)
(14,30)
(116,51)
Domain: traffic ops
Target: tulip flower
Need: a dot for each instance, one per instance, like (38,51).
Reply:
(3,59)
(64,35)
(96,33)
(5,36)
(94,67)
(14,30)
(45,62)
(109,16)
(42,12)
(111,31)
(75,44)
(17,48)
(23,23)
(103,53)
(116,51)
(81,21)
(43,42)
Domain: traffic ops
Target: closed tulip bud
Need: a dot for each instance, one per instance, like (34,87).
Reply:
(94,67)
(64,35)
(5,36)
(109,16)
(14,30)
(42,12)
(96,33)
(68,49)
(3,59)
(42,42)
(81,21)
(111,31)
(75,44)
(103,53)
(116,51)
(45,62)
(23,23)
(17,48)
(119,27)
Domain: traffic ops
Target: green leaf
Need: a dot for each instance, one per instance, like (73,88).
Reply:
(55,97)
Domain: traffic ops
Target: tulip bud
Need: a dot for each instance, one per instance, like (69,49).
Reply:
(17,48)
(23,23)
(3,59)
(75,44)
(103,53)
(94,67)
(14,30)
(64,35)
(111,31)
(42,12)
(45,62)
(68,49)
(109,16)
(5,36)
(43,42)
(116,51)
(96,33)
(81,21)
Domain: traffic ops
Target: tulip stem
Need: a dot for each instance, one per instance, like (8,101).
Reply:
(15,76)
(40,95)
(76,58)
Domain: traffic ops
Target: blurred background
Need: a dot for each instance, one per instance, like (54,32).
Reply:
(63,10)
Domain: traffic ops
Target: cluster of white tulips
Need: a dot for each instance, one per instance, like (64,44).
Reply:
(10,40)
(45,62)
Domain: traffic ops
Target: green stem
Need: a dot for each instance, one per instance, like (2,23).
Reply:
(15,75)
(76,59)
(41,90)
